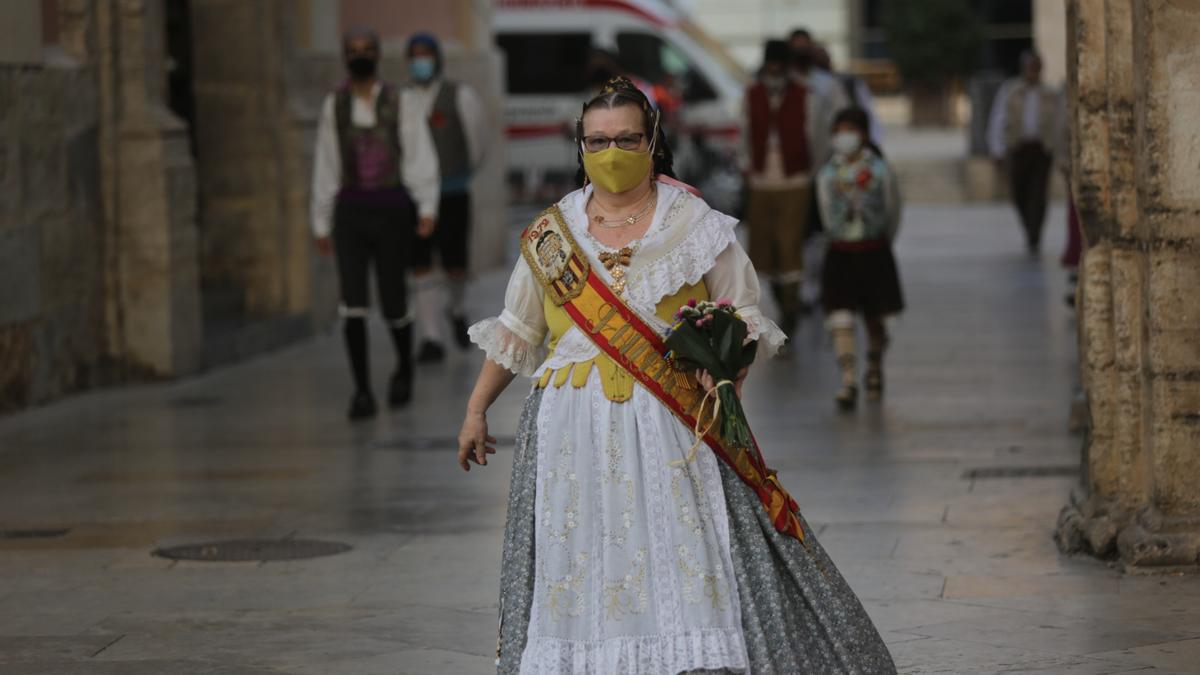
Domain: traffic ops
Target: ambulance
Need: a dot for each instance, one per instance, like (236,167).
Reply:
(551,48)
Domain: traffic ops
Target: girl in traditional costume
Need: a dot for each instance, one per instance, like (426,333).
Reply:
(624,552)
(860,204)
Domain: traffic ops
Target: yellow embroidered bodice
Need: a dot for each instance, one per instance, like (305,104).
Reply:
(617,383)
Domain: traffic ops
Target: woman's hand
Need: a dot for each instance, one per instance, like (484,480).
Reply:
(707,381)
(474,443)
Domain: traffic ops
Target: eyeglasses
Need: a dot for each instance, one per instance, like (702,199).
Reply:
(598,142)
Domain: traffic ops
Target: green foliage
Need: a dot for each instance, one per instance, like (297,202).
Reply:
(932,41)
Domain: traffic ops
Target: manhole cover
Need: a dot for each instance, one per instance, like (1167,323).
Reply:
(1050,471)
(246,550)
(33,534)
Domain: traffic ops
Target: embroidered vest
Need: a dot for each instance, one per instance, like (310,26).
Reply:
(370,155)
(853,198)
(446,127)
(617,383)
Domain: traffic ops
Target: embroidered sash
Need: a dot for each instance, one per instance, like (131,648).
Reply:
(617,330)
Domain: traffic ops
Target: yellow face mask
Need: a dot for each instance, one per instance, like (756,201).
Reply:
(617,170)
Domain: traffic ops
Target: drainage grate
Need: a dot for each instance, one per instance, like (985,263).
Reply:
(247,550)
(430,443)
(1045,471)
(33,534)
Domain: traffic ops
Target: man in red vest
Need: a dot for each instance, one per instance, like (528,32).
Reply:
(779,177)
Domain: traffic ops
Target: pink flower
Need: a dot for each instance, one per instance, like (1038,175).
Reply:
(724,302)
(691,303)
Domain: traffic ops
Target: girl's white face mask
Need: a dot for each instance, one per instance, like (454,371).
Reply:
(847,142)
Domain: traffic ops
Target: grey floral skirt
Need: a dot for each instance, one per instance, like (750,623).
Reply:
(798,613)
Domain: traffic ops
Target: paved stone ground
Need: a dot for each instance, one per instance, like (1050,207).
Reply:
(960,574)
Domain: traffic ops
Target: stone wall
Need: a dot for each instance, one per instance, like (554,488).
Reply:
(1133,73)
(250,229)
(98,266)
(52,337)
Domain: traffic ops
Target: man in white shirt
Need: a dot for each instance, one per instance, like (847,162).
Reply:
(458,123)
(858,94)
(1023,130)
(375,181)
(827,97)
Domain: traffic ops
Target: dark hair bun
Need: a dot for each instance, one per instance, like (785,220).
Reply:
(619,85)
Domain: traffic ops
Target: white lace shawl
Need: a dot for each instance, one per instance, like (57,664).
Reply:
(687,241)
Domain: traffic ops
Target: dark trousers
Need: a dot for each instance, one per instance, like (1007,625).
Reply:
(1029,180)
(366,236)
(451,238)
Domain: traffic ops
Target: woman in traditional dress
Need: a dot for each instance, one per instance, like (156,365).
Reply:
(624,552)
(859,198)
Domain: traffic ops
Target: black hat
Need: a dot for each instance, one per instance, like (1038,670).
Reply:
(776,51)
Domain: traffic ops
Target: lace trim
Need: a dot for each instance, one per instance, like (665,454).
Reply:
(506,347)
(770,337)
(685,263)
(572,347)
(704,649)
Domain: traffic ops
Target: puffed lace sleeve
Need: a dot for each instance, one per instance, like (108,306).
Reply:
(516,338)
(733,277)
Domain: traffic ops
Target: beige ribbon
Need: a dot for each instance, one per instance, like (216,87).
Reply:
(716,415)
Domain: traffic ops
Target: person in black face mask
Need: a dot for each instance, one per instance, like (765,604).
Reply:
(375,185)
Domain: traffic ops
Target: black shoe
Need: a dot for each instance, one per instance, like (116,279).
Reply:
(400,389)
(460,331)
(847,398)
(362,406)
(873,383)
(430,352)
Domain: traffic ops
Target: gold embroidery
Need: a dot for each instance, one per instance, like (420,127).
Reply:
(607,313)
(564,597)
(628,595)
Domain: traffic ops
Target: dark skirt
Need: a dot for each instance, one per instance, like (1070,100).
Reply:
(863,280)
(798,614)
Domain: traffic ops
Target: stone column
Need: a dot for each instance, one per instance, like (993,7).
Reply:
(155,299)
(242,134)
(1132,68)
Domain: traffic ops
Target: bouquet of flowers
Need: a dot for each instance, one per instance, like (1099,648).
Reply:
(711,336)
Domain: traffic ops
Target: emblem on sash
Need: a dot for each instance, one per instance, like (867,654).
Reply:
(554,257)
(596,309)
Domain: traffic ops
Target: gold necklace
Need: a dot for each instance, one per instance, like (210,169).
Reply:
(628,220)
(615,263)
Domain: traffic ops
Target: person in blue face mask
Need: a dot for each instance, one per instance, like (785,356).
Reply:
(375,187)
(457,122)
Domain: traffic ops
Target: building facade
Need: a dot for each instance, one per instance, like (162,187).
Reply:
(154,177)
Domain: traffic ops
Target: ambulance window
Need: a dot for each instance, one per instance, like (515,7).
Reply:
(654,59)
(546,63)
